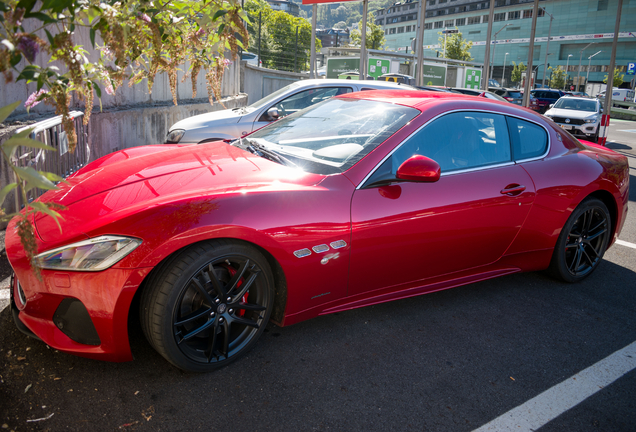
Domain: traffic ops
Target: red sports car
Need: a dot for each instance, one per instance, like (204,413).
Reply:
(302,217)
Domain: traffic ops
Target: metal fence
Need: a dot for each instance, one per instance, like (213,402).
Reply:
(61,161)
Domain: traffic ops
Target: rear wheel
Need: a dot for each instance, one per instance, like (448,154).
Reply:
(209,305)
(582,242)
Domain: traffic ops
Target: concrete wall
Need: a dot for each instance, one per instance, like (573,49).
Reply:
(259,82)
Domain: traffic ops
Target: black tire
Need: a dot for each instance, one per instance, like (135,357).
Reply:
(595,138)
(208,305)
(582,242)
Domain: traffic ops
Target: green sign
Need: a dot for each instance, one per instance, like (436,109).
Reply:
(473,79)
(378,67)
(434,75)
(340,65)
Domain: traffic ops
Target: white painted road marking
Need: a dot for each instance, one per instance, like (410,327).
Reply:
(624,243)
(555,401)
(627,130)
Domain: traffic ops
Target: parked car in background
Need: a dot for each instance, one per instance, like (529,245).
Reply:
(361,199)
(579,116)
(514,96)
(546,97)
(481,93)
(234,123)
(580,94)
(398,78)
(251,58)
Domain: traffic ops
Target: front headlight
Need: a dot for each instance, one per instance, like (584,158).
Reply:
(174,136)
(94,254)
(591,120)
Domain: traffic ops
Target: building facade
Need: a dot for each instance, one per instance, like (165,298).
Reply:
(579,29)
(333,37)
(286,6)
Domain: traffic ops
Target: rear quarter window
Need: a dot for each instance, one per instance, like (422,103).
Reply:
(529,140)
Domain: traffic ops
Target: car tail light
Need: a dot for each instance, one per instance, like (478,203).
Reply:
(509,99)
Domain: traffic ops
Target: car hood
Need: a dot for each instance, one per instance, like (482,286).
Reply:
(568,113)
(210,119)
(148,176)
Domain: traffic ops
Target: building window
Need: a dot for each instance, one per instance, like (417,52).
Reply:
(540,13)
(439,24)
(427,26)
(412,6)
(449,23)
(400,30)
(442,1)
(460,22)
(380,22)
(461,9)
(431,2)
(527,13)
(514,15)
(392,31)
(474,20)
(500,16)
(484,18)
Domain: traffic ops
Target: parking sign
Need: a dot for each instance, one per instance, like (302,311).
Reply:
(631,68)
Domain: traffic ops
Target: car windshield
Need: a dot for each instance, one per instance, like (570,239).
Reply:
(515,94)
(576,104)
(331,136)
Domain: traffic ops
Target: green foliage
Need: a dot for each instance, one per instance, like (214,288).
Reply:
(375,34)
(618,78)
(278,37)
(557,77)
(457,48)
(517,69)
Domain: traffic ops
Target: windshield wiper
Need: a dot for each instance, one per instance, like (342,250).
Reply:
(262,151)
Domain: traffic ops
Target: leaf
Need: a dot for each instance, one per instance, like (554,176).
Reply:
(5,190)
(6,110)
(41,16)
(52,176)
(49,37)
(34,178)
(92,35)
(219,14)
(97,89)
(15,141)
(8,44)
(43,208)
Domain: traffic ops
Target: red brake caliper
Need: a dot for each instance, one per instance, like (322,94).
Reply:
(232,271)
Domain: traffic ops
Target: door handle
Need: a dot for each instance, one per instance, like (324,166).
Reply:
(513,189)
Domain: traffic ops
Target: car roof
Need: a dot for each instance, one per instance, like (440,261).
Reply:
(334,81)
(415,98)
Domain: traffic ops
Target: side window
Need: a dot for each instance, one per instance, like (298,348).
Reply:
(455,141)
(309,97)
(528,139)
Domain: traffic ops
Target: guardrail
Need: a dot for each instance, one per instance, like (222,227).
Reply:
(60,162)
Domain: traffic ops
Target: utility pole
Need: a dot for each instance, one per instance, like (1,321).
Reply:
(547,48)
(526,87)
(567,64)
(260,21)
(578,74)
(419,44)
(589,64)
(605,119)
(363,47)
(493,49)
(486,74)
(312,57)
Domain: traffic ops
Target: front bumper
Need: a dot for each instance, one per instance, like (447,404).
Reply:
(587,130)
(84,314)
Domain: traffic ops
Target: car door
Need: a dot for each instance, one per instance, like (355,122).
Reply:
(298,101)
(405,232)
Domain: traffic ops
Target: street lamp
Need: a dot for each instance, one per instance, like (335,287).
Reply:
(578,74)
(567,64)
(588,65)
(493,50)
(547,48)
(504,69)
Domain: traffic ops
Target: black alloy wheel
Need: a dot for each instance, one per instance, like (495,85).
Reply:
(582,242)
(210,305)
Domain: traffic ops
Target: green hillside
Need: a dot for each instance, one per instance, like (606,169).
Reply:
(340,14)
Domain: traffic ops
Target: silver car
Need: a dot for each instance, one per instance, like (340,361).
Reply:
(578,115)
(234,123)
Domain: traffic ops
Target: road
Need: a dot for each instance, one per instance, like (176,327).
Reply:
(519,350)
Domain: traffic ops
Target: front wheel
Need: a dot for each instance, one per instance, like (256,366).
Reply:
(209,305)
(582,242)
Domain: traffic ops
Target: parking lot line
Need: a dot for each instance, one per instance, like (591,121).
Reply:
(624,243)
(555,401)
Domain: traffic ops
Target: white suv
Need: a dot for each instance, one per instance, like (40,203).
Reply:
(579,116)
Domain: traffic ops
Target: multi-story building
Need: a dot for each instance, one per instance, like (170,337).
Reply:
(286,6)
(333,37)
(575,25)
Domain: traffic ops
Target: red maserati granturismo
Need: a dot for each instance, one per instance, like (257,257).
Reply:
(301,217)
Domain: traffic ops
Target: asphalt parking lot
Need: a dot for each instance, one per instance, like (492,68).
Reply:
(519,353)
